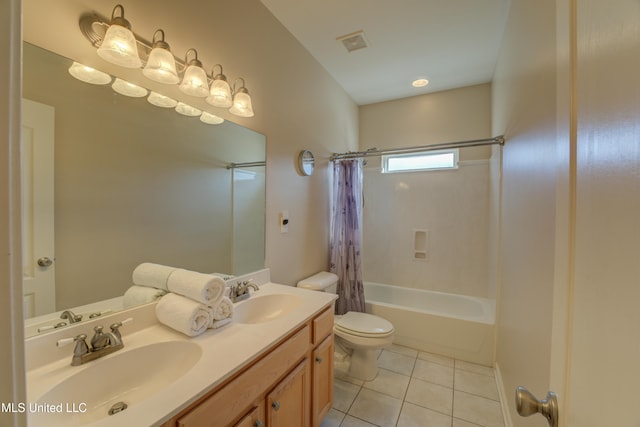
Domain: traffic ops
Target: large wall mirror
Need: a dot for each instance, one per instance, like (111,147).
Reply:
(132,183)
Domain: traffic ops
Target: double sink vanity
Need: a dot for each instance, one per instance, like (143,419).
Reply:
(272,366)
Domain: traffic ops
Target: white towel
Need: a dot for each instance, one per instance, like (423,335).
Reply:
(137,295)
(183,314)
(222,308)
(220,323)
(200,287)
(153,275)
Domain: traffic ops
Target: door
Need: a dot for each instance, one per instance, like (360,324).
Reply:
(288,403)
(37,157)
(322,398)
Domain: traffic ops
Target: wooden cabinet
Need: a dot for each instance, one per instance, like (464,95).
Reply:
(291,385)
(322,380)
(288,403)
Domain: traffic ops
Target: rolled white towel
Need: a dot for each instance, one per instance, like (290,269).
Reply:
(183,314)
(137,295)
(153,275)
(220,323)
(222,308)
(200,287)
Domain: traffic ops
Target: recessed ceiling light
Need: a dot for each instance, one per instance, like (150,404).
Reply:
(420,83)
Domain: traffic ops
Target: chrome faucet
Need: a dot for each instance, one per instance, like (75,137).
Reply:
(70,316)
(240,291)
(102,343)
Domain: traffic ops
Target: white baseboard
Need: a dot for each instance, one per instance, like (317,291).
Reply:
(503,398)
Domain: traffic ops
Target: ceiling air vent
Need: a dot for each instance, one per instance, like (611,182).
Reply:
(353,41)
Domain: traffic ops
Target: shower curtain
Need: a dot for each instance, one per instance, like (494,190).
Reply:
(346,234)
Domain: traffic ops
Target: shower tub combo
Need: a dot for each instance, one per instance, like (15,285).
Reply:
(452,325)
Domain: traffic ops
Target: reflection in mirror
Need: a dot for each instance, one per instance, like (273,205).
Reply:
(132,183)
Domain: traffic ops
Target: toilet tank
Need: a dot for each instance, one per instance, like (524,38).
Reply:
(323,281)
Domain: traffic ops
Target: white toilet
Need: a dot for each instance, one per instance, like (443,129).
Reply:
(359,336)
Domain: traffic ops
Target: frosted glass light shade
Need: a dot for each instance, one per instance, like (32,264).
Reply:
(211,119)
(187,110)
(195,82)
(220,94)
(119,47)
(128,89)
(161,101)
(242,104)
(88,74)
(161,67)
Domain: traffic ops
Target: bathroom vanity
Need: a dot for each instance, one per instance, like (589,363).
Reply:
(290,385)
(272,366)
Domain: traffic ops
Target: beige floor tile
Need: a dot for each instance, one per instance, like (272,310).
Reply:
(403,350)
(350,421)
(462,423)
(396,362)
(389,383)
(342,374)
(333,419)
(443,360)
(376,408)
(416,416)
(344,394)
(478,369)
(430,395)
(476,409)
(433,372)
(478,384)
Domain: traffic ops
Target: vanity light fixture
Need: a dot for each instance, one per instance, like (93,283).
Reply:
(195,81)
(187,110)
(220,93)
(160,100)
(241,101)
(161,65)
(119,45)
(211,119)
(88,74)
(128,89)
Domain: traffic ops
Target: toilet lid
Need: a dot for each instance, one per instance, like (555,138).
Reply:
(364,325)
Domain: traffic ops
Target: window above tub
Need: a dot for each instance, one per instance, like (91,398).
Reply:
(420,161)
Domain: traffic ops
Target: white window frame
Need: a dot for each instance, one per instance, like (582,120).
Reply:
(387,157)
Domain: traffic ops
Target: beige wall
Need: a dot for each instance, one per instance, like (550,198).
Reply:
(297,104)
(447,116)
(12,387)
(524,109)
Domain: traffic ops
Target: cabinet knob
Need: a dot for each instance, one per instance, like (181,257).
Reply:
(275,406)
(258,423)
(319,359)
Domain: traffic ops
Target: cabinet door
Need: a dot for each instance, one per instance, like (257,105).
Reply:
(288,403)
(255,417)
(322,397)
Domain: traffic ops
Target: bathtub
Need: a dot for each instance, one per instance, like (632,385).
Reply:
(452,325)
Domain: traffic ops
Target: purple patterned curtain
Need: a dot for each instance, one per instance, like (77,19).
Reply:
(346,235)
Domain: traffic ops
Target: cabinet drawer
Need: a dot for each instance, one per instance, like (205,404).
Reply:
(322,325)
(223,407)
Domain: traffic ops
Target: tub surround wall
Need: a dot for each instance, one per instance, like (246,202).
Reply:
(454,206)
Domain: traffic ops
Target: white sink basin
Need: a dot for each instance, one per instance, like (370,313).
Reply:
(128,376)
(259,309)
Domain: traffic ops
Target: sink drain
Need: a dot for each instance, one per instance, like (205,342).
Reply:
(117,407)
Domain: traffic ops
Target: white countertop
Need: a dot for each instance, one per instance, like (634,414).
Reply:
(225,351)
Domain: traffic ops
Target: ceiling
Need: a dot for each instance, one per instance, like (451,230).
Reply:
(452,43)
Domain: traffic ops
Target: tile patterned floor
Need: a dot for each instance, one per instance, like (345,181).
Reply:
(417,389)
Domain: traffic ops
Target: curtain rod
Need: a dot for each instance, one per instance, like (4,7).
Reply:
(245,165)
(374,152)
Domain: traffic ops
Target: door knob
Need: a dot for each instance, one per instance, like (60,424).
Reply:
(44,261)
(527,404)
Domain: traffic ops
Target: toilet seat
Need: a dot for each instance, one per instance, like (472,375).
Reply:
(363,325)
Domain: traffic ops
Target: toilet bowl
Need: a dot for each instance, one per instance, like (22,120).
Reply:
(358,336)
